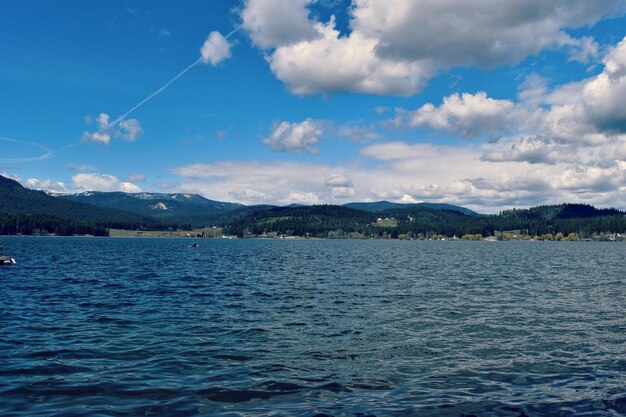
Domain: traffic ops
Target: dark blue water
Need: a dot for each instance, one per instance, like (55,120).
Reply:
(130,327)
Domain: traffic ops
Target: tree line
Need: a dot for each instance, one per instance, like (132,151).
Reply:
(44,224)
(337,221)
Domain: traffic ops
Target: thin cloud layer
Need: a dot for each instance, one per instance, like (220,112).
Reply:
(409,173)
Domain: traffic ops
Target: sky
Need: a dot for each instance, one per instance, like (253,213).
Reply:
(485,104)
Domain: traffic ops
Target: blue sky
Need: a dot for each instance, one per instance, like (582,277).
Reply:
(481,104)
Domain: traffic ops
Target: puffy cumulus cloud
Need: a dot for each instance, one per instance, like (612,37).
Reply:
(603,96)
(469,115)
(126,129)
(581,123)
(533,150)
(484,34)
(101,182)
(395,46)
(215,49)
(591,110)
(46,185)
(331,63)
(295,137)
(338,180)
(594,179)
(342,186)
(274,23)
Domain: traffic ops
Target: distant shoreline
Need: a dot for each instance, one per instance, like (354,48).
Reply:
(301,238)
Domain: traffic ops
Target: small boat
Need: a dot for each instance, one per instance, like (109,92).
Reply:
(195,245)
(5,260)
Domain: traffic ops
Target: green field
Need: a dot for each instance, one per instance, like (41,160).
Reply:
(154,233)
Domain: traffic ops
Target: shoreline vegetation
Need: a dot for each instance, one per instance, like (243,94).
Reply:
(502,237)
(217,233)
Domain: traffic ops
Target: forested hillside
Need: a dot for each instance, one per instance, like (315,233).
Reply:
(23,207)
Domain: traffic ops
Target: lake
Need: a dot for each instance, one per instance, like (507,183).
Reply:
(136,327)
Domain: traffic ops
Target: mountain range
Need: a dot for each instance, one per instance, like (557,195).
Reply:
(23,210)
(169,208)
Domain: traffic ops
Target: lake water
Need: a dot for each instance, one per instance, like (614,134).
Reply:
(132,327)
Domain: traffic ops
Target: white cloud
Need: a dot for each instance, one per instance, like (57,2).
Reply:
(395,46)
(301,198)
(342,186)
(250,182)
(126,129)
(332,63)
(357,132)
(533,89)
(410,172)
(469,115)
(343,192)
(485,34)
(585,50)
(593,179)
(47,185)
(136,178)
(407,172)
(381,109)
(295,137)
(129,130)
(581,123)
(532,149)
(603,96)
(338,180)
(81,167)
(101,182)
(273,23)
(12,176)
(215,49)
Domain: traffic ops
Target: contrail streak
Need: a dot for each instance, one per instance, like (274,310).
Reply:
(232,32)
(157,92)
(160,90)
(47,155)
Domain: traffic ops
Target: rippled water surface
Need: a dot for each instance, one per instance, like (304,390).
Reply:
(136,327)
